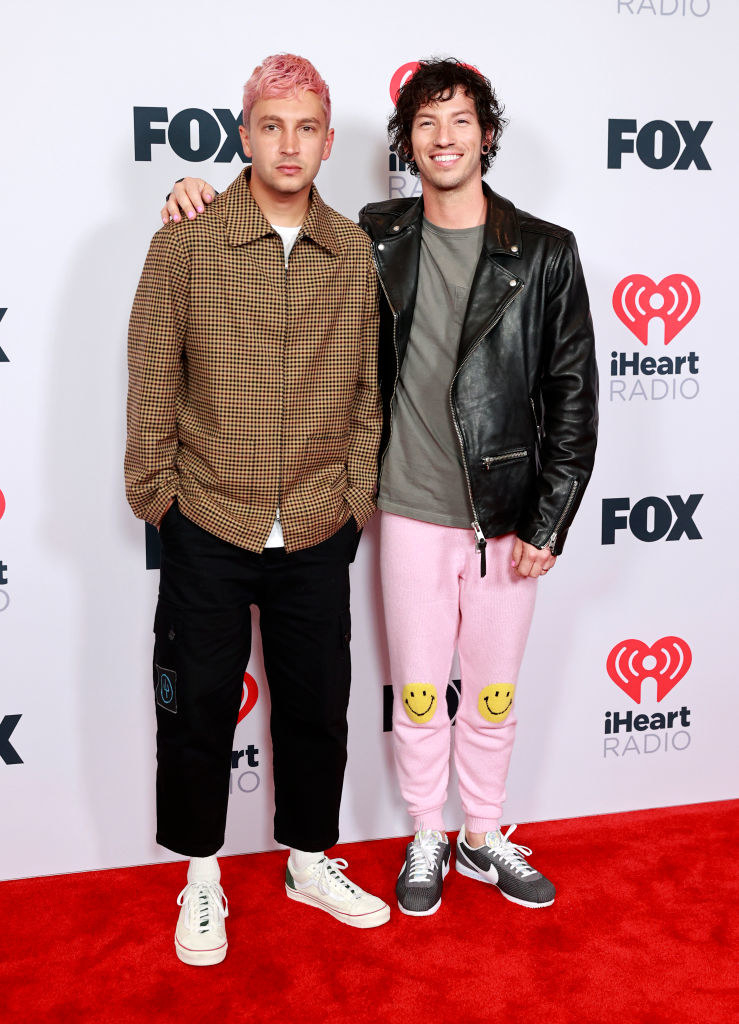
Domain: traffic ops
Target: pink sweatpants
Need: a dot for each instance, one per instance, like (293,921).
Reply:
(435,600)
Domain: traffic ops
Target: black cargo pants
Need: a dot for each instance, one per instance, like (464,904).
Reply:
(202,645)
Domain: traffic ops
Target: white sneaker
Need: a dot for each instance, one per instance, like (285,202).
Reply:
(200,937)
(323,885)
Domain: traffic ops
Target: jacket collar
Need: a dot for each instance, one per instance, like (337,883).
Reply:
(502,228)
(245,222)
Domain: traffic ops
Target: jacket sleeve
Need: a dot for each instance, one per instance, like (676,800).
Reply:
(156,336)
(366,416)
(569,399)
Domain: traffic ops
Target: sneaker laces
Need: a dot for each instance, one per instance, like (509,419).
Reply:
(330,879)
(205,905)
(511,853)
(424,851)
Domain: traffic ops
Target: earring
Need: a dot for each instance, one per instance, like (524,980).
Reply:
(485,149)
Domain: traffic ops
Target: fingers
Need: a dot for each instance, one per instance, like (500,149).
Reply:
(194,192)
(173,209)
(525,563)
(187,199)
(545,565)
(181,199)
(533,562)
(517,552)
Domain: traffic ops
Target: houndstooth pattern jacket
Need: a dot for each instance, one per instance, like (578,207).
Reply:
(252,386)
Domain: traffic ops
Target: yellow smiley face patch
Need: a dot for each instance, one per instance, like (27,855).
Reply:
(495,701)
(419,701)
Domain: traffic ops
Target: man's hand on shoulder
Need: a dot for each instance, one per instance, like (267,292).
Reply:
(187,199)
(531,561)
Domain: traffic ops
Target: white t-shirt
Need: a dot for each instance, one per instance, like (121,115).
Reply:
(288,236)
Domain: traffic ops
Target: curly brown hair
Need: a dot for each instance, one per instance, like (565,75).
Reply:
(436,81)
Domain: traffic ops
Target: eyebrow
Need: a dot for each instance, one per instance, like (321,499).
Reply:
(455,113)
(281,120)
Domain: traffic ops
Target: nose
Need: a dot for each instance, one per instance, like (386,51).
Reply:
(290,141)
(443,135)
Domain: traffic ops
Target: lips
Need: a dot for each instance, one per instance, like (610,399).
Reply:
(446,158)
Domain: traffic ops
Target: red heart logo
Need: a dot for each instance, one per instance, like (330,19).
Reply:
(406,71)
(249,696)
(637,300)
(631,662)
(400,77)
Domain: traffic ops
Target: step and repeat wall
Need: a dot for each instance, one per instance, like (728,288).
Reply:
(623,128)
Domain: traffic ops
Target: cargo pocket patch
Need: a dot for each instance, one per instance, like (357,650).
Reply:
(166,689)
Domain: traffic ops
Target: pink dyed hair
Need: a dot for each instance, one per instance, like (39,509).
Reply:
(282,76)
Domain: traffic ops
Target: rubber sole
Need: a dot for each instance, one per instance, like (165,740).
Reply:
(373,920)
(471,873)
(200,957)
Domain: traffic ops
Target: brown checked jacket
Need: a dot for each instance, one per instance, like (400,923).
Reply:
(253,387)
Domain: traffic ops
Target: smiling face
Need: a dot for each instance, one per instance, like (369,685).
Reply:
(419,701)
(495,701)
(287,139)
(446,140)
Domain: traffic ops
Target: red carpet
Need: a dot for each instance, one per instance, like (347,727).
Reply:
(644,929)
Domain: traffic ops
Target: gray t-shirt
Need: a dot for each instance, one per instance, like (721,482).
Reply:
(422,474)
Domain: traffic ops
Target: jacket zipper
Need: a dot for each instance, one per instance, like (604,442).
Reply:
(536,418)
(551,543)
(397,365)
(278,514)
(518,453)
(480,542)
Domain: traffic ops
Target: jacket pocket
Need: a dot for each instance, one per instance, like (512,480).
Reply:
(326,453)
(503,458)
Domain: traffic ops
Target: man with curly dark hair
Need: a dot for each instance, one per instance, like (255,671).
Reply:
(489,383)
(439,81)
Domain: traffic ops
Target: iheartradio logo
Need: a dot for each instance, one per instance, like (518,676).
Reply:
(637,301)
(401,76)
(631,662)
(2,504)
(249,696)
(406,71)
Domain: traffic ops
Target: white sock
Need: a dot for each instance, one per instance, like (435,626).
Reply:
(302,860)
(204,869)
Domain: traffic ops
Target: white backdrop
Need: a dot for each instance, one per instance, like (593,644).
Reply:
(76,601)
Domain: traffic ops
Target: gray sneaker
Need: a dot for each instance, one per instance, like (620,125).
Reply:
(501,863)
(422,876)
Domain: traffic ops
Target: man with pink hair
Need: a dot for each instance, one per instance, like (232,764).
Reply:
(489,382)
(253,427)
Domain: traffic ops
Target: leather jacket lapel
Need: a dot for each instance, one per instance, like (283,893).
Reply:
(493,289)
(397,255)
(493,286)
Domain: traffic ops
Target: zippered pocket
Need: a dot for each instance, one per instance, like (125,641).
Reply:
(514,455)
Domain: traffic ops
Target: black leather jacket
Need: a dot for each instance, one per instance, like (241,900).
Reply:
(524,396)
